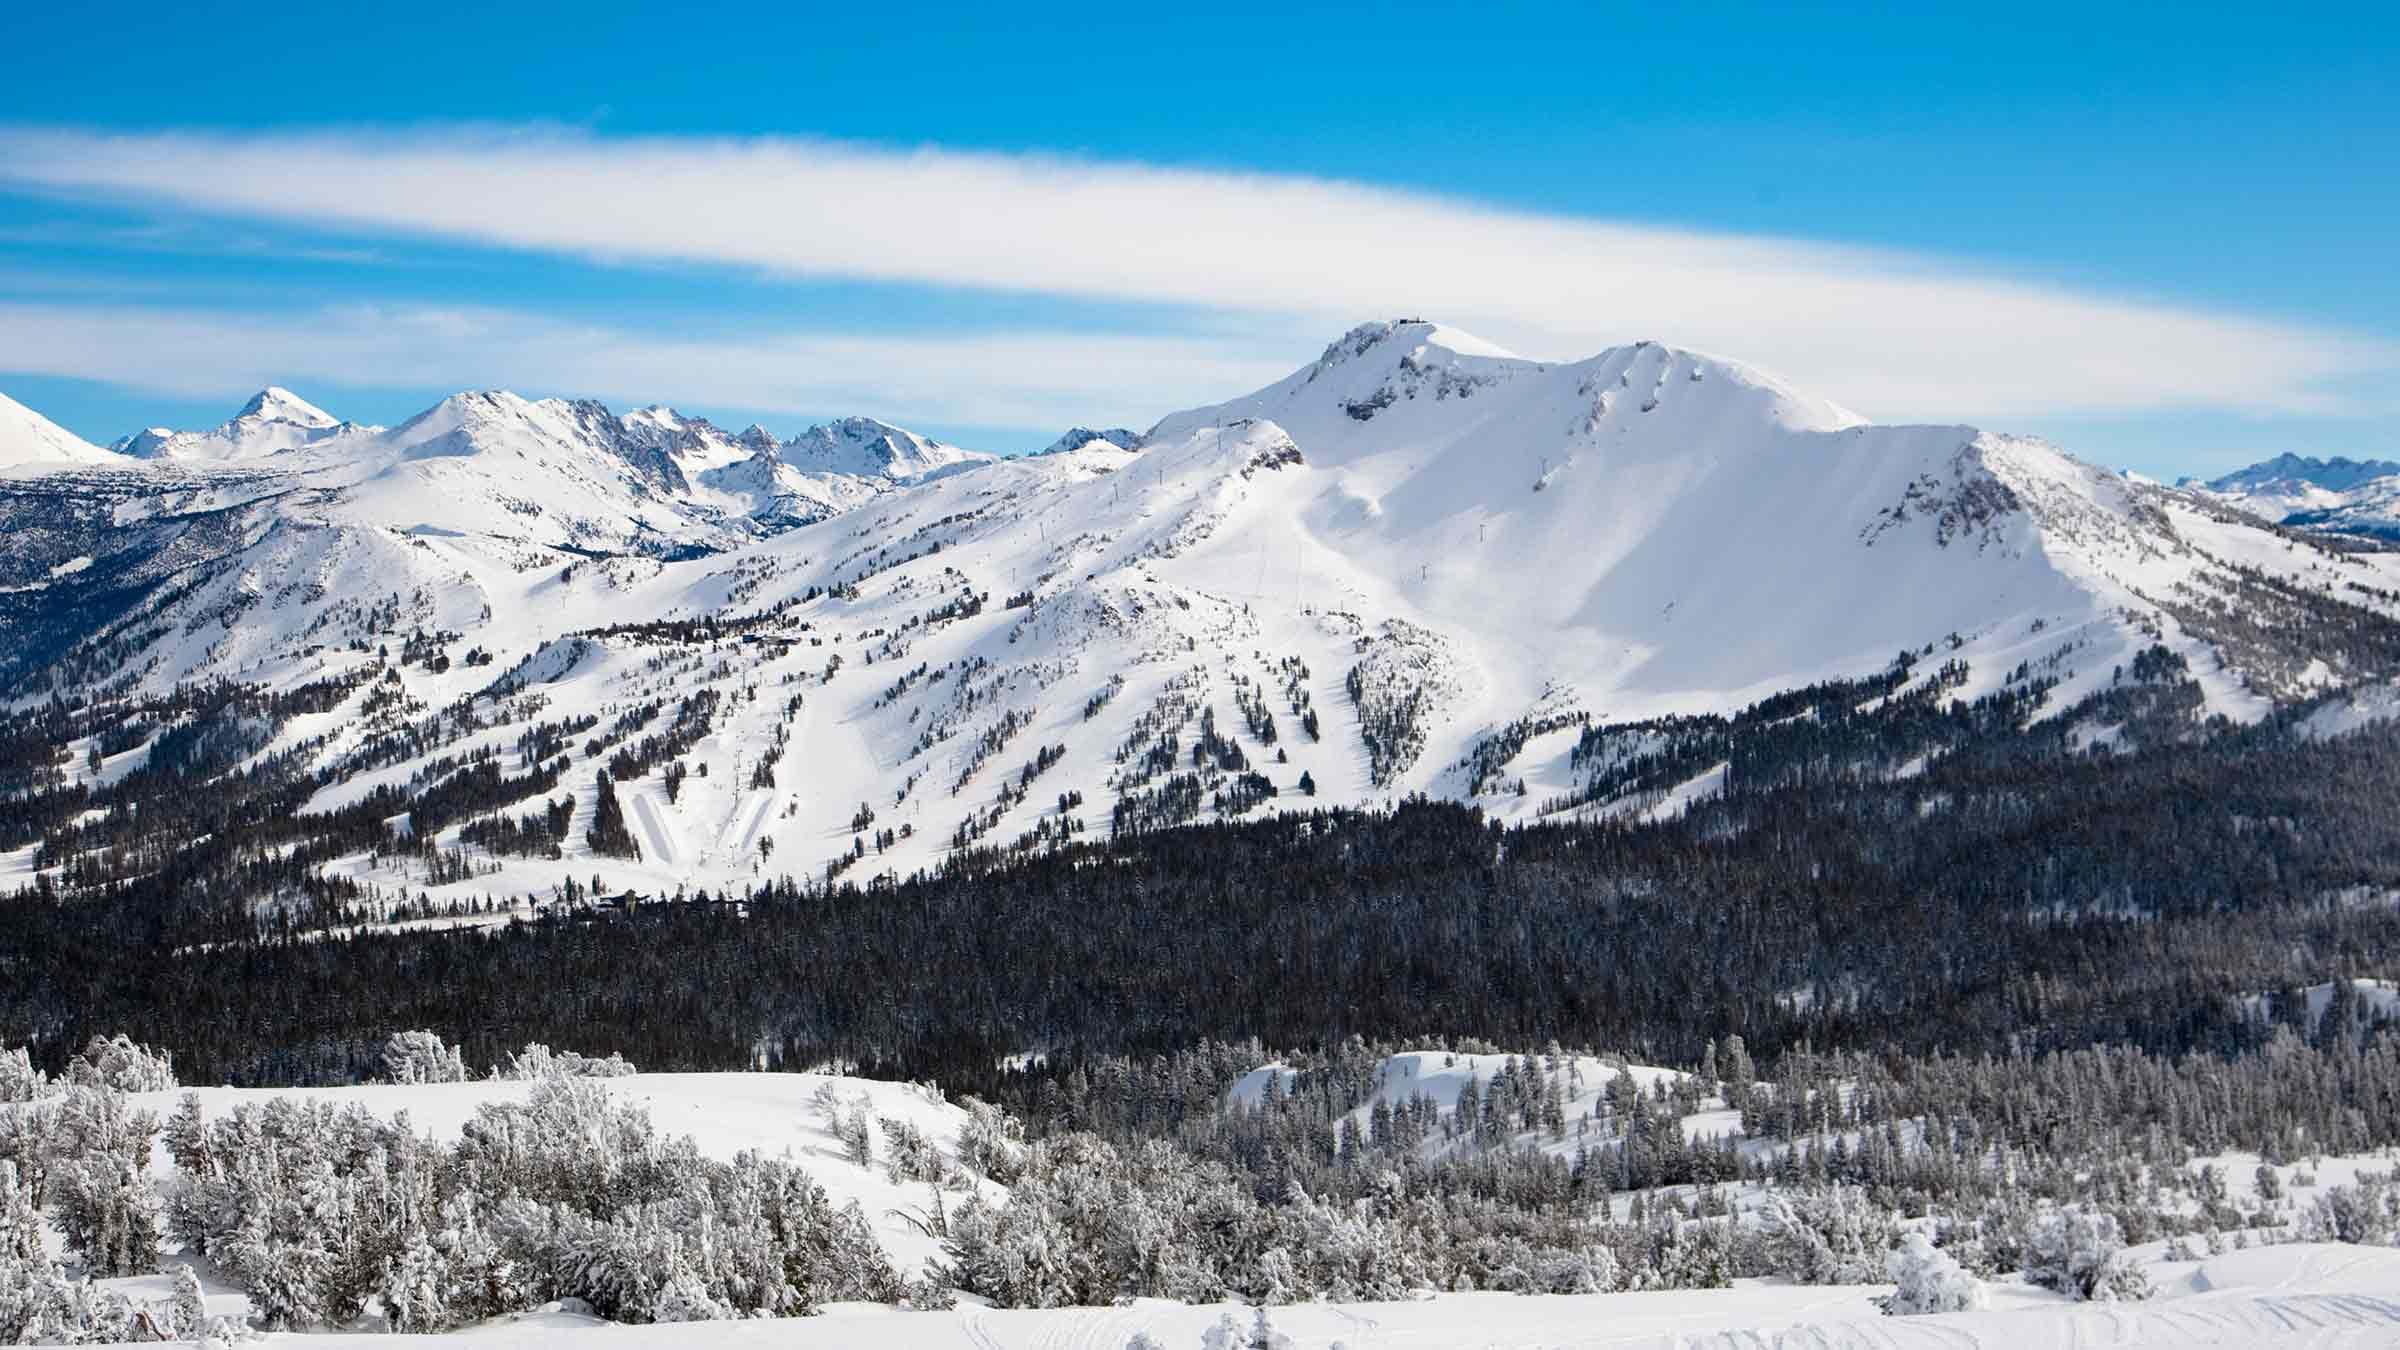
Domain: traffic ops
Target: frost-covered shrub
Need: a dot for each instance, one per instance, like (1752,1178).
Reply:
(2081,1255)
(1590,1271)
(685,1298)
(2367,1213)
(292,1199)
(569,1194)
(118,1064)
(187,1318)
(421,1057)
(908,1155)
(449,1274)
(991,1141)
(1087,1223)
(1829,1236)
(1930,1280)
(19,1080)
(1698,1256)
(858,1141)
(847,1121)
(26,1270)
(98,1182)
(573,1142)
(537,1060)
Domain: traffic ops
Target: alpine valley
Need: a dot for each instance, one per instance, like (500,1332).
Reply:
(1441,829)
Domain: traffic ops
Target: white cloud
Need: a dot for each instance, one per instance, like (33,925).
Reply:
(1895,335)
(1029,380)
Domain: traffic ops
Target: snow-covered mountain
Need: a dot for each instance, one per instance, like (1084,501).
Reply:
(30,442)
(273,421)
(2348,496)
(862,447)
(1416,564)
(1077,438)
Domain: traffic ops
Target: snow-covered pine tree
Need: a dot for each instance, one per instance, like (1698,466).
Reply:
(19,1080)
(118,1063)
(99,1183)
(685,1298)
(187,1313)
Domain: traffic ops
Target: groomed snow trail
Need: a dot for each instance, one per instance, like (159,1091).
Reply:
(656,833)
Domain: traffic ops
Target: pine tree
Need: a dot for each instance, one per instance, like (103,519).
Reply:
(189,1311)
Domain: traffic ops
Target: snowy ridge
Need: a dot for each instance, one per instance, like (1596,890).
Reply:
(30,442)
(1390,572)
(1082,438)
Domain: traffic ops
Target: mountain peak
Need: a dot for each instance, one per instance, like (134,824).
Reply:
(1409,335)
(278,404)
(1076,438)
(868,448)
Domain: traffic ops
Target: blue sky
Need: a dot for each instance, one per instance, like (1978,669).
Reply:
(2161,236)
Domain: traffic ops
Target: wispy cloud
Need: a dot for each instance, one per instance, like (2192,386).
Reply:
(1030,380)
(1893,334)
(184,238)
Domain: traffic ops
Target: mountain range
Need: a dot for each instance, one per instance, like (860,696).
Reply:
(1418,564)
(2341,496)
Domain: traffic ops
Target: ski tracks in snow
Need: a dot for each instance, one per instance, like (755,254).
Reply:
(655,831)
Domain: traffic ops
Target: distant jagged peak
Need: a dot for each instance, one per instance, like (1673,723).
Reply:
(658,415)
(148,443)
(869,448)
(1077,438)
(2335,474)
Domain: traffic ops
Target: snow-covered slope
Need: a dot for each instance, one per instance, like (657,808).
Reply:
(32,443)
(1416,564)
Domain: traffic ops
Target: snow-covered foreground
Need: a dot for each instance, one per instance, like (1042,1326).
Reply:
(774,1114)
(2266,1297)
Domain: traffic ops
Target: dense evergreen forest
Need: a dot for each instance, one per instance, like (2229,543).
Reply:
(2011,896)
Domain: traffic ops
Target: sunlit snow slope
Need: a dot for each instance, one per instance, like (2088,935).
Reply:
(1442,557)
